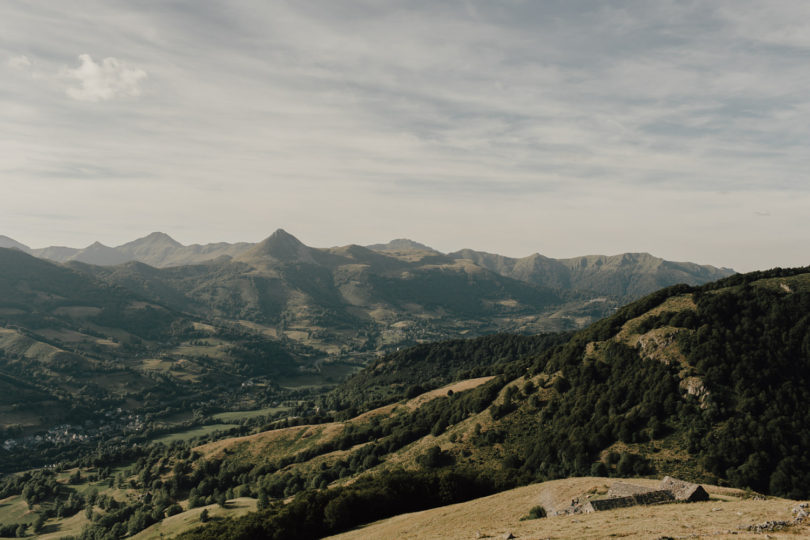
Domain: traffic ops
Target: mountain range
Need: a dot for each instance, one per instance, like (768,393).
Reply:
(627,275)
(275,308)
(354,298)
(707,383)
(156,249)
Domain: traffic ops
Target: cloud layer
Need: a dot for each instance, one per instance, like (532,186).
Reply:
(673,127)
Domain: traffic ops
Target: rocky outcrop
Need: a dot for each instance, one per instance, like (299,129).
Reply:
(694,387)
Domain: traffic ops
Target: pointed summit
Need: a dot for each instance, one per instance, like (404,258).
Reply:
(153,249)
(280,246)
(152,240)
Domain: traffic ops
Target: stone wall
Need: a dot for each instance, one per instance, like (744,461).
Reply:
(650,497)
(622,489)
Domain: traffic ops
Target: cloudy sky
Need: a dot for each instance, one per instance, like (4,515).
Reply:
(565,128)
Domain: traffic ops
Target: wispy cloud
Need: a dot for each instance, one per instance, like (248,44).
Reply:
(19,62)
(109,79)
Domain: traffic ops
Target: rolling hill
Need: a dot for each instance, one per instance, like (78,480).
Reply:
(71,346)
(353,299)
(703,383)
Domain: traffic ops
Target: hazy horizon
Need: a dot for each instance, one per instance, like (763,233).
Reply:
(674,128)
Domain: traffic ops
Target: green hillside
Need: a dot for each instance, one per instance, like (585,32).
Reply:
(706,383)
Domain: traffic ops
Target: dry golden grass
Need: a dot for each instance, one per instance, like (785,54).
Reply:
(190,519)
(459,386)
(271,443)
(675,303)
(279,442)
(724,517)
(72,526)
(658,339)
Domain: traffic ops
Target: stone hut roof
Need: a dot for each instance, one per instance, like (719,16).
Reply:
(684,491)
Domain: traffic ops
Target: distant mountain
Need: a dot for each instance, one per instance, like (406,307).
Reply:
(10,243)
(385,295)
(279,247)
(626,276)
(401,244)
(71,343)
(622,277)
(346,297)
(156,249)
(55,253)
(98,253)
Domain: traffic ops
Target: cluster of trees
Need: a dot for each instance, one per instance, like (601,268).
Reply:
(411,371)
(319,513)
(594,403)
(752,350)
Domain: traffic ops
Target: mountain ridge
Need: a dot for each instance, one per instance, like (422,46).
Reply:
(139,249)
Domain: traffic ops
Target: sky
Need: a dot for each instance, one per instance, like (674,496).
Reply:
(560,127)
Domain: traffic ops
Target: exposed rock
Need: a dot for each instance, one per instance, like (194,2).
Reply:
(658,345)
(694,387)
(768,526)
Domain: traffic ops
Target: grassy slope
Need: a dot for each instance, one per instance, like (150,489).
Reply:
(668,454)
(496,515)
(189,519)
(268,445)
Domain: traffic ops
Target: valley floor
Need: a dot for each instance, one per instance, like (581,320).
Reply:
(726,515)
